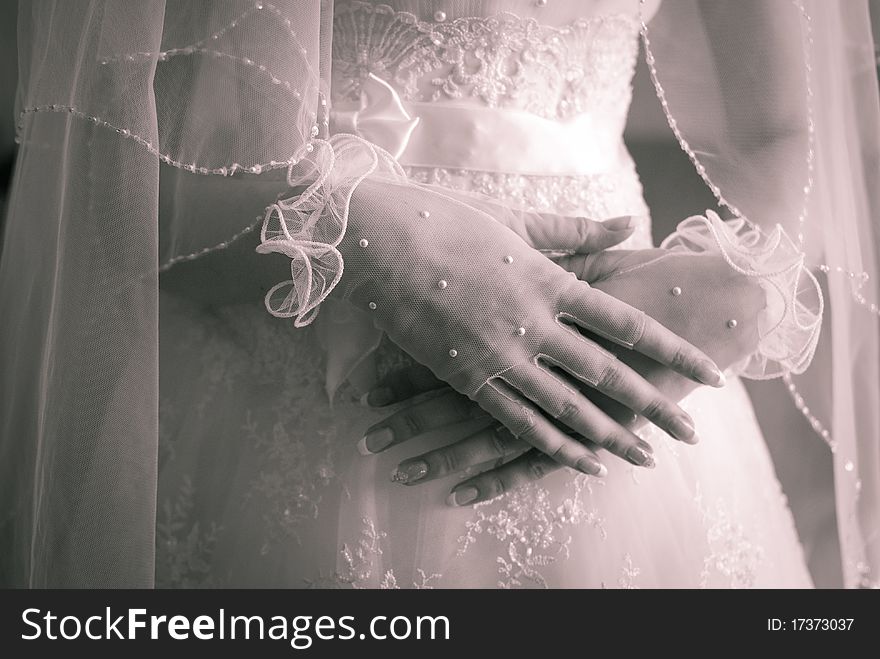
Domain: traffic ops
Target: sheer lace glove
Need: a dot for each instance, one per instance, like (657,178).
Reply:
(738,316)
(486,313)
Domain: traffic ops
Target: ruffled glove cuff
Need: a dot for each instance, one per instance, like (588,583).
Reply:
(788,325)
(309,226)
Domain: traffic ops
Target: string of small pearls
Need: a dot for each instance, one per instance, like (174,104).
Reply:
(226,170)
(859,280)
(189,167)
(207,250)
(325,117)
(147,54)
(807,45)
(673,123)
(802,407)
(197,46)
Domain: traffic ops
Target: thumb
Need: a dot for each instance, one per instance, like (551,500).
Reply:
(592,268)
(578,234)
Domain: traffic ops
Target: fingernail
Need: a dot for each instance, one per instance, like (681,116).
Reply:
(378,397)
(591,466)
(639,456)
(711,374)
(375,440)
(409,473)
(462,497)
(618,223)
(682,428)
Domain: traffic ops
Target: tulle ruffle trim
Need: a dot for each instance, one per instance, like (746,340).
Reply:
(789,325)
(308,227)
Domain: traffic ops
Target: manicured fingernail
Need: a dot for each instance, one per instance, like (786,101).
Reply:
(639,456)
(462,497)
(378,397)
(375,440)
(682,428)
(710,374)
(591,466)
(618,223)
(409,472)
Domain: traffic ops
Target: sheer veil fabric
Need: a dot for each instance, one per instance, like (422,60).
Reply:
(154,132)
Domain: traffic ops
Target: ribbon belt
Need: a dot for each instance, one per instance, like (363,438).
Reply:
(477,137)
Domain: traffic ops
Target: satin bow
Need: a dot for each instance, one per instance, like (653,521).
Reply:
(380,118)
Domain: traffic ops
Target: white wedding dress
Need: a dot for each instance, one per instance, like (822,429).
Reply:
(260,480)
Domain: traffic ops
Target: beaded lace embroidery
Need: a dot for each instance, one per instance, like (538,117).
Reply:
(503,60)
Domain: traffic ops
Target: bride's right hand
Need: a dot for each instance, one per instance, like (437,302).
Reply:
(465,296)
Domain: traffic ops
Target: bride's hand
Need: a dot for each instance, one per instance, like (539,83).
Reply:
(493,317)
(471,448)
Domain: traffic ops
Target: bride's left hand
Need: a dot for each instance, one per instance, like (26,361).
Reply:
(468,448)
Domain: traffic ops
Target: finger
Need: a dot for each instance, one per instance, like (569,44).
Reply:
(571,408)
(485,445)
(418,418)
(624,325)
(599,265)
(526,422)
(522,470)
(583,360)
(666,347)
(581,234)
(402,384)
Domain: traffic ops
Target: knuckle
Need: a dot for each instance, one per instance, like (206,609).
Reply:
(536,466)
(560,454)
(612,441)
(450,460)
(500,440)
(413,422)
(494,487)
(586,230)
(679,359)
(611,377)
(569,412)
(638,326)
(655,409)
(524,426)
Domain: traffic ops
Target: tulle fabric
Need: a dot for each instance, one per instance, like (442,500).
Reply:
(286,501)
(223,95)
(108,91)
(818,79)
(789,324)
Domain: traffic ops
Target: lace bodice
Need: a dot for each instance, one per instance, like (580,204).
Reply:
(511,64)
(502,61)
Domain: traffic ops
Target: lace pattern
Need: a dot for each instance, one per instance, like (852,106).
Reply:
(503,60)
(599,196)
(531,529)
